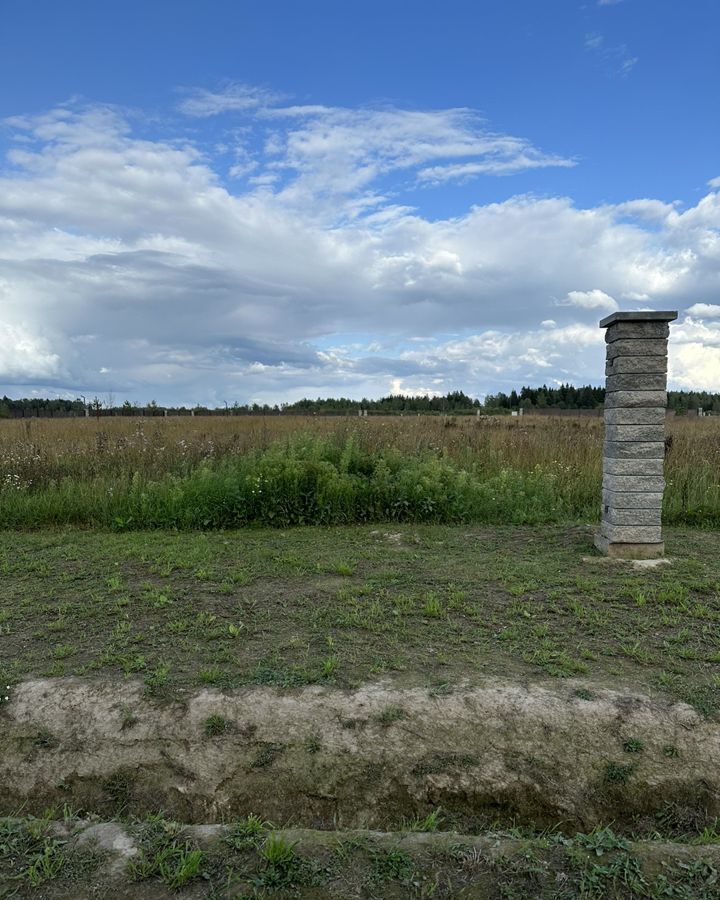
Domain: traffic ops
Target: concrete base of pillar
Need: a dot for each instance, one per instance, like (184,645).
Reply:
(629,551)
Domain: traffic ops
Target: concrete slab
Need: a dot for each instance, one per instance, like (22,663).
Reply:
(637,348)
(637,331)
(637,516)
(643,433)
(639,416)
(634,551)
(636,365)
(636,382)
(634,449)
(635,563)
(640,315)
(632,499)
(652,484)
(636,399)
(614,466)
(631,534)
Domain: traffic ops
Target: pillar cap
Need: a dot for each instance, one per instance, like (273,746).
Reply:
(666,315)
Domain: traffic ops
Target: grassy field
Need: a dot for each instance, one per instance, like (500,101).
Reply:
(430,605)
(227,472)
(434,553)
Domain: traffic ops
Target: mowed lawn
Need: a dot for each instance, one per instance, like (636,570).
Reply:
(430,605)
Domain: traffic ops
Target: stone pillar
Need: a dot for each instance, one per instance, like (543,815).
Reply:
(634,448)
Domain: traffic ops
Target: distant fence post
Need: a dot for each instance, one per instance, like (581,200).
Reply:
(634,448)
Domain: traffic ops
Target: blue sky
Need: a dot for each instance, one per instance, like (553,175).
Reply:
(266,200)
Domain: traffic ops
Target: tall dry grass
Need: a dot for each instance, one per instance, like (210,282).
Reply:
(57,470)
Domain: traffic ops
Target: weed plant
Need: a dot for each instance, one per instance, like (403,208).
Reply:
(428,823)
(247,832)
(163,856)
(284,870)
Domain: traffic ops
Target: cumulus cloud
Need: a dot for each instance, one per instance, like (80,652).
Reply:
(129,264)
(648,209)
(694,354)
(704,310)
(695,365)
(27,356)
(594,299)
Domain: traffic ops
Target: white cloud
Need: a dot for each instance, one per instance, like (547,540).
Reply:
(695,366)
(129,255)
(704,311)
(524,159)
(694,354)
(594,299)
(234,97)
(328,152)
(26,356)
(572,352)
(648,209)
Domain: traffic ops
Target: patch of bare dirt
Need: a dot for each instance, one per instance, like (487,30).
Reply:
(536,753)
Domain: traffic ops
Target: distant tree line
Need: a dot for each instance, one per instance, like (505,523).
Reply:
(566,396)
(681,401)
(454,402)
(35,405)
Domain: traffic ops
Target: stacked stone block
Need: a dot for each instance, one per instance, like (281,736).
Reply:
(634,448)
